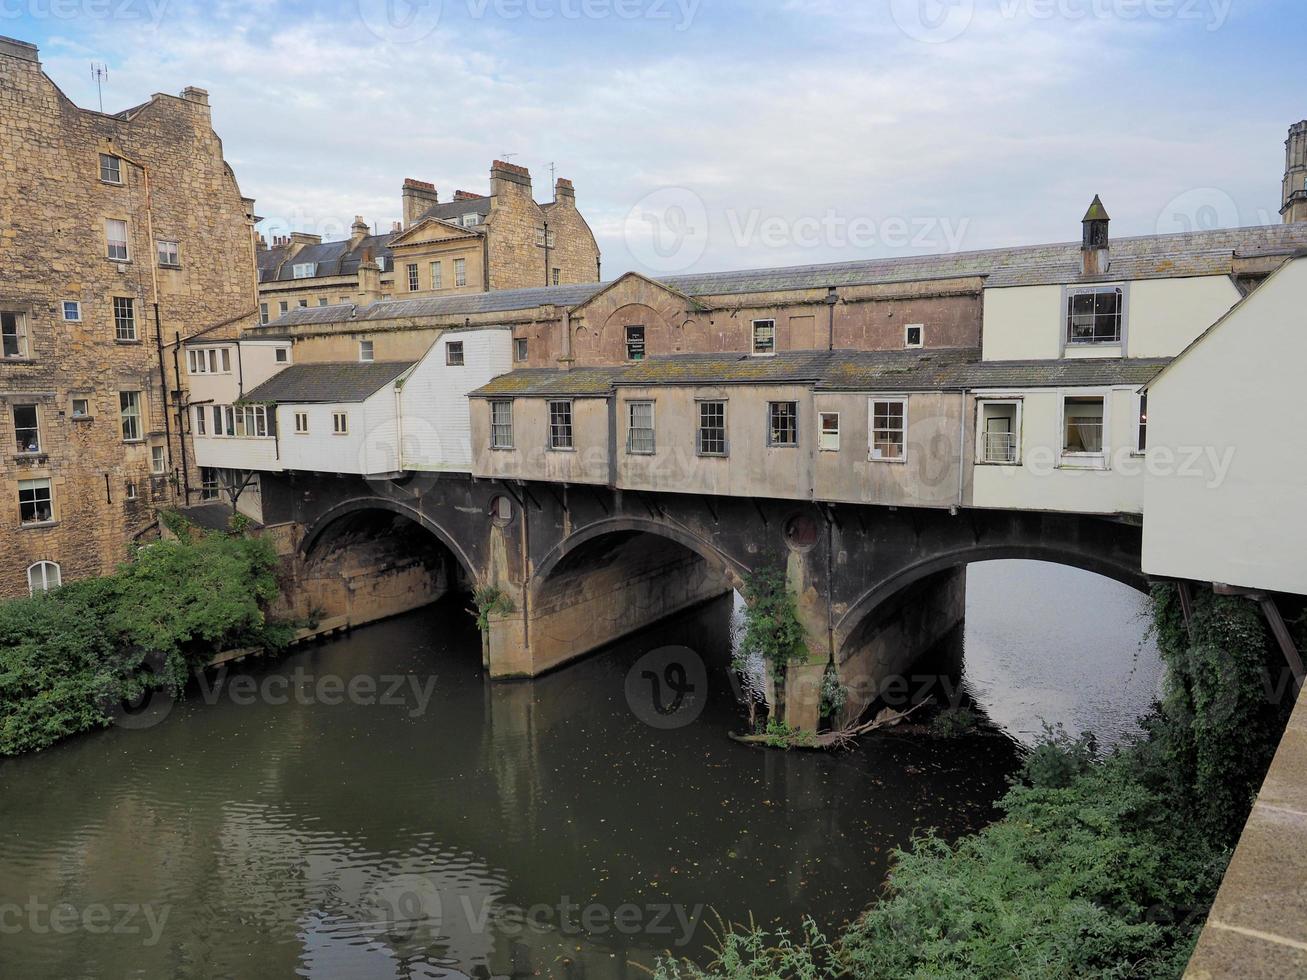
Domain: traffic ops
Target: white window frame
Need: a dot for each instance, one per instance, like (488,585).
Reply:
(117,168)
(521,350)
(652,428)
(437,275)
(772,406)
(124,327)
(699,428)
(301,423)
(263,313)
(921,335)
(872,402)
(81,415)
(131,492)
(44,571)
(1141,423)
(158,460)
(130,410)
(455,354)
(281,355)
(303,270)
(982,450)
(460,272)
(1123,314)
(414,284)
(283,307)
(367,352)
(201,427)
(1086,460)
(76,310)
(501,433)
(20,336)
(114,245)
(753,337)
(562,433)
(31,486)
(169,253)
(35,427)
(340,423)
(823,445)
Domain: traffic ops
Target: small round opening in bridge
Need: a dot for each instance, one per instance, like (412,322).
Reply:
(801,532)
(501,511)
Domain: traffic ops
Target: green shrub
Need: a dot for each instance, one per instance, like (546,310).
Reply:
(954,723)
(771,621)
(69,656)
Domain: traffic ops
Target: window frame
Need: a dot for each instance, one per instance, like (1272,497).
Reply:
(32,486)
(630,344)
(771,425)
(132,400)
(501,432)
(301,427)
(770,349)
(340,423)
(117,168)
(44,565)
(125,242)
(521,350)
(176,252)
(562,431)
(437,275)
(1093,459)
(210,483)
(124,326)
(77,309)
(281,355)
(907,336)
(20,338)
(702,429)
(460,273)
(263,314)
(632,428)
(822,433)
(34,428)
(80,415)
(414,284)
(454,354)
(297,270)
(872,428)
(1141,423)
(158,460)
(981,454)
(368,347)
(1069,295)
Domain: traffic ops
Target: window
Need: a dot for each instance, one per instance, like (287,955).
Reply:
(72,311)
(115,235)
(26,430)
(560,425)
(81,408)
(501,425)
(302,423)
(208,483)
(111,169)
(437,276)
(35,503)
(556,276)
(43,576)
(1141,443)
(764,336)
(344,301)
(340,423)
(365,350)
(712,429)
(999,440)
(412,277)
(13,332)
(460,272)
(1084,425)
(131,490)
(284,307)
(200,428)
(129,404)
(888,430)
(454,353)
(521,349)
(158,460)
(828,432)
(640,434)
(545,239)
(501,511)
(170,254)
(784,427)
(263,312)
(914,335)
(1094,315)
(635,343)
(304,304)
(209,360)
(304,270)
(281,355)
(124,318)
(253,421)
(471,220)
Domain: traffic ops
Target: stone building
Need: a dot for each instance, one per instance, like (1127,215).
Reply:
(123,234)
(473,243)
(1295,174)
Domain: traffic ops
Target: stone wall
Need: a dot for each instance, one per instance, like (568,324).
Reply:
(53,250)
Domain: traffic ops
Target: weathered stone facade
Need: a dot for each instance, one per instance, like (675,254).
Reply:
(65,173)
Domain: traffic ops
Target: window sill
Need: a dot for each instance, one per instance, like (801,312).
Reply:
(713,455)
(18,360)
(642,452)
(1082,461)
(110,258)
(38,525)
(899,460)
(133,442)
(767,353)
(828,449)
(503,449)
(782,445)
(82,418)
(126,343)
(31,457)
(170,265)
(998,462)
(562,449)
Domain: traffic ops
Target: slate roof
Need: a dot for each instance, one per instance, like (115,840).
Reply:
(347,381)
(1207,253)
(331,258)
(454,210)
(952,369)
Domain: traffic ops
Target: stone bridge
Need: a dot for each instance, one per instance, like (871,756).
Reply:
(583,566)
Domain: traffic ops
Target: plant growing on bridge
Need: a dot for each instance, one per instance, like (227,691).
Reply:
(771,622)
(834,695)
(490,600)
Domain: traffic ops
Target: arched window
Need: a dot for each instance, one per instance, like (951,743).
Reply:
(43,576)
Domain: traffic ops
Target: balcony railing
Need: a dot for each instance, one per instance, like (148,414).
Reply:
(1000,447)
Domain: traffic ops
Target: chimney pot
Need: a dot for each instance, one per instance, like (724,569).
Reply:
(192,94)
(1095,243)
(418,196)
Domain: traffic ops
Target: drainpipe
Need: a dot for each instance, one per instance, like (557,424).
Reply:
(181,424)
(567,339)
(832,297)
(962,448)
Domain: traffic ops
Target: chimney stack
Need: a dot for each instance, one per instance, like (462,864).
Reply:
(564,191)
(418,196)
(509,178)
(467,196)
(358,231)
(1295,175)
(1095,248)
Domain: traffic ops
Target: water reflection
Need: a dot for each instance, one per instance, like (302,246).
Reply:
(501,829)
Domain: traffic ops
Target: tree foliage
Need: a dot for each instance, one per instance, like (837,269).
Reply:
(771,622)
(69,656)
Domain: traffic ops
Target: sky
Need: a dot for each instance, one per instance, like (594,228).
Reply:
(705,135)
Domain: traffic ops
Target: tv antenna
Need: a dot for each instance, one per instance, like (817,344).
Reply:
(99,72)
(508,157)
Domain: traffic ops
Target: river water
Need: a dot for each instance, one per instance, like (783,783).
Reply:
(425,823)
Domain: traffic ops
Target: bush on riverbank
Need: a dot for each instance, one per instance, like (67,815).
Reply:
(1100,867)
(69,657)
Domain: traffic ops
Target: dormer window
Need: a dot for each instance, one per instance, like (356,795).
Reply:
(471,220)
(304,270)
(1095,315)
(764,336)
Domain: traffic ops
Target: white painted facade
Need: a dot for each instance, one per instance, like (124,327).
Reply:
(1227,476)
(1161,317)
(436,426)
(366,444)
